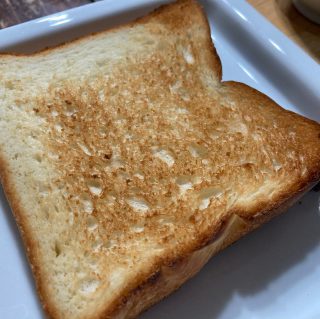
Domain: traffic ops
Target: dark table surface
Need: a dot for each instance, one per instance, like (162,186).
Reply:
(17,11)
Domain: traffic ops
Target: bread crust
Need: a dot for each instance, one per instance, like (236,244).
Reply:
(24,230)
(169,277)
(169,273)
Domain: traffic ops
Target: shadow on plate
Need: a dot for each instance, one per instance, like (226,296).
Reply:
(248,268)
(9,219)
(250,265)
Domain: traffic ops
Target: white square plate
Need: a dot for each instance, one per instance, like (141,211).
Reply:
(272,273)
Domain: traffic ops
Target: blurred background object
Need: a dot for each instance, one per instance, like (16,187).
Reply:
(309,8)
(284,15)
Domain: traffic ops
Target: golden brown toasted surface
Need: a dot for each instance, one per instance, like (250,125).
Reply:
(135,156)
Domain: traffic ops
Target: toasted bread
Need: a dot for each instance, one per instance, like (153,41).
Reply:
(128,163)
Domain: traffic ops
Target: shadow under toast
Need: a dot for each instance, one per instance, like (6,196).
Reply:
(247,268)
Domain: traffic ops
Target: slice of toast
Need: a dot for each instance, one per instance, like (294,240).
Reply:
(128,164)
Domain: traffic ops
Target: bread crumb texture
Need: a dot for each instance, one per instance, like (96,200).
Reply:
(125,147)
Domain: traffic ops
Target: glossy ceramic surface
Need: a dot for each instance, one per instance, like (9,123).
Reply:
(272,273)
